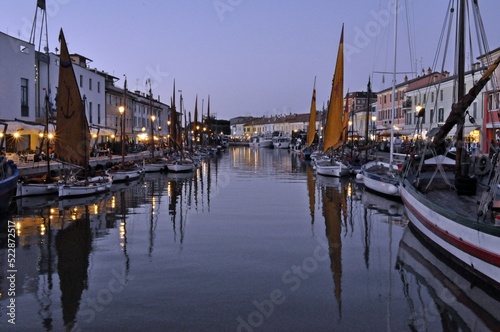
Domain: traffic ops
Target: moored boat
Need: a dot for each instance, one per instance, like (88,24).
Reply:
(72,131)
(452,207)
(261,141)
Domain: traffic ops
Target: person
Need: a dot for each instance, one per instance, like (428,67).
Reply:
(473,147)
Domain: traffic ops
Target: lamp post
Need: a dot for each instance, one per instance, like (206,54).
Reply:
(420,115)
(121,109)
(352,138)
(374,118)
(153,118)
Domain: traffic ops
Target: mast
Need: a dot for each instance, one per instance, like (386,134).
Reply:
(122,129)
(368,93)
(461,84)
(152,118)
(393,101)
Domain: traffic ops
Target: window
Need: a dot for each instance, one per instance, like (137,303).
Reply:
(441,95)
(90,84)
(432,96)
(98,113)
(25,109)
(441,115)
(90,113)
(98,87)
(431,119)
(81,81)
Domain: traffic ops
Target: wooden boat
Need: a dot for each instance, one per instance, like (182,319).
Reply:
(72,145)
(452,208)
(47,184)
(336,122)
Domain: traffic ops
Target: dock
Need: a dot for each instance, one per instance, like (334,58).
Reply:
(31,168)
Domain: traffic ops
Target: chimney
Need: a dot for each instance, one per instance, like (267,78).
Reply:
(429,71)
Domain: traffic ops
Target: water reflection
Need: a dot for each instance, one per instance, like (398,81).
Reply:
(73,244)
(225,234)
(439,294)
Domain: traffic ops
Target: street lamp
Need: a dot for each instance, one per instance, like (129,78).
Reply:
(121,109)
(374,118)
(153,118)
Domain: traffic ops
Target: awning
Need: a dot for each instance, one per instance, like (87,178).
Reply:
(22,127)
(388,134)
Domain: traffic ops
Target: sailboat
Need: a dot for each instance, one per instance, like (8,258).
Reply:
(9,173)
(336,122)
(377,175)
(179,164)
(447,206)
(311,129)
(125,171)
(72,144)
(45,185)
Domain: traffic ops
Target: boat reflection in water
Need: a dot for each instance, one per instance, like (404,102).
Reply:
(455,301)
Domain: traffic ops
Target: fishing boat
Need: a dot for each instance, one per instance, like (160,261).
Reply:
(449,205)
(378,175)
(9,173)
(336,123)
(72,146)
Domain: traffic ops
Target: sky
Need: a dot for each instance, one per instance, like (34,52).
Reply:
(253,58)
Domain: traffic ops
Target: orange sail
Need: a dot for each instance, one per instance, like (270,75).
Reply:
(334,122)
(72,130)
(311,131)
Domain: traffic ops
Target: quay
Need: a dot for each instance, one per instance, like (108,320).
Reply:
(40,167)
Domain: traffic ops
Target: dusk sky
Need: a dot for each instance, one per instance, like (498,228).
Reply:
(252,57)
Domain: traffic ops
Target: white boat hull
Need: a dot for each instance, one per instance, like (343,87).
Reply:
(36,189)
(476,248)
(336,169)
(386,183)
(157,167)
(125,175)
(261,142)
(83,189)
(180,167)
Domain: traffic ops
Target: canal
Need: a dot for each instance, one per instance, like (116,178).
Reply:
(251,241)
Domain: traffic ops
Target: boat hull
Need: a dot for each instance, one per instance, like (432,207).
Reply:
(328,169)
(180,167)
(125,175)
(80,189)
(381,177)
(157,167)
(36,189)
(473,245)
